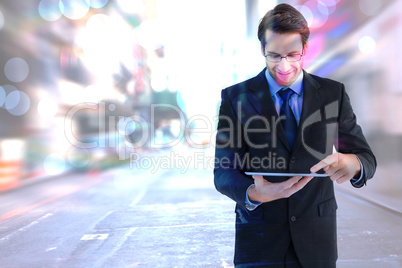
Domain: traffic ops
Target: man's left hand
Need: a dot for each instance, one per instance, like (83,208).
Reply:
(339,167)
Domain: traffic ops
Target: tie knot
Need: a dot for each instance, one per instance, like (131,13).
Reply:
(286,93)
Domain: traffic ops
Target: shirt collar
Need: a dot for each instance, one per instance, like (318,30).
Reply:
(297,85)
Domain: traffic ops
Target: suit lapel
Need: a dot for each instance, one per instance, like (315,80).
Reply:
(311,103)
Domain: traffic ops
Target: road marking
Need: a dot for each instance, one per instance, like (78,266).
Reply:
(225,264)
(94,237)
(121,242)
(139,196)
(116,248)
(130,231)
(143,191)
(49,249)
(26,227)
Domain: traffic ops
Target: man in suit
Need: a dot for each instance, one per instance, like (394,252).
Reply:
(286,120)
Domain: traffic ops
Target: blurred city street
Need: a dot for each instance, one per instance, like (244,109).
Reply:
(126,217)
(108,119)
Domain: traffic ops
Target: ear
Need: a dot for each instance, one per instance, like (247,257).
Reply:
(305,49)
(263,50)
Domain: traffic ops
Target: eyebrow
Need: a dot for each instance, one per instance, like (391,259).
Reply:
(271,52)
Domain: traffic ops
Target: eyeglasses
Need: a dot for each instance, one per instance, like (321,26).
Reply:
(278,58)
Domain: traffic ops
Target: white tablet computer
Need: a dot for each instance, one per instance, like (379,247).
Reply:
(287,174)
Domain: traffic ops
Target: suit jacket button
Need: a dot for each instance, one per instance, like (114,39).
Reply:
(293,218)
(292,160)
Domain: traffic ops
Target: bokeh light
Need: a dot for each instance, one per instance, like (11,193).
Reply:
(370,7)
(325,8)
(49,10)
(316,13)
(47,108)
(98,3)
(17,103)
(12,99)
(150,34)
(159,83)
(74,9)
(16,70)
(70,92)
(131,6)
(107,43)
(126,126)
(78,157)
(54,164)
(97,23)
(307,13)
(367,44)
(92,94)
(8,89)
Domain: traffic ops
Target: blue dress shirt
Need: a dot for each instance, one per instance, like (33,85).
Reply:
(295,101)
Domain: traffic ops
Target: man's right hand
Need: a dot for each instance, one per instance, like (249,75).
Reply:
(265,191)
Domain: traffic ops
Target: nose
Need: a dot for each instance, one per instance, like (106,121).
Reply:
(283,65)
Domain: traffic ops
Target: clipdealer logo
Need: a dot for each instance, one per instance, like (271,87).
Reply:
(231,135)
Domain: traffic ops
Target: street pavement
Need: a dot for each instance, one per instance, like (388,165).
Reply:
(127,217)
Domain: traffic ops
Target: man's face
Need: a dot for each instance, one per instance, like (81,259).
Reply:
(283,72)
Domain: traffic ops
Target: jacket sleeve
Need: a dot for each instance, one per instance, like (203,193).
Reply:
(352,141)
(230,149)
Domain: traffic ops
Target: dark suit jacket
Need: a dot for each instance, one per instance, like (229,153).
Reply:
(248,132)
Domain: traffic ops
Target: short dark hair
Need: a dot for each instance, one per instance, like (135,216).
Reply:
(283,19)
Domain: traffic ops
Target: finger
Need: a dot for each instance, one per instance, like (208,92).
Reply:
(319,165)
(259,180)
(331,170)
(257,177)
(329,160)
(298,186)
(301,183)
(343,179)
(337,175)
(290,182)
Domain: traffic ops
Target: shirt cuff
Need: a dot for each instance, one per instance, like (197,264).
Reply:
(357,182)
(251,205)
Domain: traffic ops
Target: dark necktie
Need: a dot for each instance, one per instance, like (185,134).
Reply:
(289,122)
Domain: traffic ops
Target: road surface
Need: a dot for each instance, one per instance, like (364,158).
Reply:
(131,218)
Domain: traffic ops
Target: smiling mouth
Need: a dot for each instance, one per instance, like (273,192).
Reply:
(281,73)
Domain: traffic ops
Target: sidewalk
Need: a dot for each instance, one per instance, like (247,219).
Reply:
(383,190)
